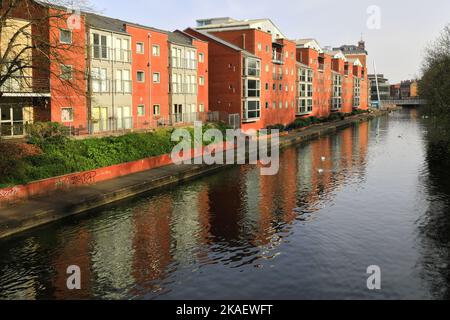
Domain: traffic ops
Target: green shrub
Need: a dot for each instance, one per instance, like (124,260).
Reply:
(39,132)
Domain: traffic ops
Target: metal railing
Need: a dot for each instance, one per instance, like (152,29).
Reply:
(277,57)
(183,63)
(24,84)
(100,52)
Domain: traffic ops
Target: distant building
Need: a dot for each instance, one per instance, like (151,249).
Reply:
(395,91)
(383,85)
(409,89)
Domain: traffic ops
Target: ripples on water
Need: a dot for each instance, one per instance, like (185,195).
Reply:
(338,205)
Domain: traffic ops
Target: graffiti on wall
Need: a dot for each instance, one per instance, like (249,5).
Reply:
(8,193)
(84,178)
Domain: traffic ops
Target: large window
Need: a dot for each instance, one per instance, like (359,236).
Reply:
(337,92)
(252,110)
(100,47)
(357,93)
(11,121)
(99,80)
(252,88)
(252,67)
(305,103)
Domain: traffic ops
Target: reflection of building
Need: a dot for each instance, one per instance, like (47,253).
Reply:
(383,85)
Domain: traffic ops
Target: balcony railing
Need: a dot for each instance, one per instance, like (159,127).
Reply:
(277,57)
(183,88)
(106,53)
(123,86)
(183,63)
(24,84)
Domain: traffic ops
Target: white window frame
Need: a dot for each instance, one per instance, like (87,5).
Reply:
(71,114)
(142,107)
(60,36)
(156,107)
(142,44)
(158,50)
(158,74)
(137,76)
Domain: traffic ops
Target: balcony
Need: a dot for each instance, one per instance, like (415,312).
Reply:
(277,57)
(321,66)
(109,54)
(183,63)
(25,86)
(123,86)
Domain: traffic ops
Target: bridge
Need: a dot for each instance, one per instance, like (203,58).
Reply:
(405,102)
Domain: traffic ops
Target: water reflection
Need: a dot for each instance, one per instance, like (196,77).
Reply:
(303,233)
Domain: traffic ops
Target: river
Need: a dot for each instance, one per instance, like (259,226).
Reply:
(364,196)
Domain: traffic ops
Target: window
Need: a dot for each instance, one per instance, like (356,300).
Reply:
(100,46)
(140,48)
(201,57)
(252,88)
(201,80)
(99,80)
(267,86)
(201,108)
(141,110)
(267,67)
(140,76)
(156,110)
(252,67)
(66,72)
(267,105)
(156,50)
(126,81)
(156,77)
(259,46)
(252,110)
(67,114)
(65,36)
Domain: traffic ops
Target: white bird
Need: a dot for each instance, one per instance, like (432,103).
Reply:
(320,171)
(323,159)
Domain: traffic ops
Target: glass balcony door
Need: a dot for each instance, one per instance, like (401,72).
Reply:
(11,121)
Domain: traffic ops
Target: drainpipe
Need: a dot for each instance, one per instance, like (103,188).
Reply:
(88,78)
(113,93)
(150,76)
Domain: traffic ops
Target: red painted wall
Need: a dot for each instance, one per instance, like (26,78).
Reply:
(347,89)
(224,73)
(68,93)
(203,71)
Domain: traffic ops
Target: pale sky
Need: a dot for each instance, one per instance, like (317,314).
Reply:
(406,26)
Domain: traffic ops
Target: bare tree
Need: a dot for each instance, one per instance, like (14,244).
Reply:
(30,43)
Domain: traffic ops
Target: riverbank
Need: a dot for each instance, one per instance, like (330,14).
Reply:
(46,209)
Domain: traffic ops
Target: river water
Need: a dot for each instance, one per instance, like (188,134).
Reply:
(365,196)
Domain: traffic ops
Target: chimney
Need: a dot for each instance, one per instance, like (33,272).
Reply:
(243,41)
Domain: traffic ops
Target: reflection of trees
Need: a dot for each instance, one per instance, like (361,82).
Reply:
(435,225)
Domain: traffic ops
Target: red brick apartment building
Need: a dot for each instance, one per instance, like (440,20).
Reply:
(266,79)
(106,74)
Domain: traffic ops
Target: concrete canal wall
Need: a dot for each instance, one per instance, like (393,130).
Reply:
(82,192)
